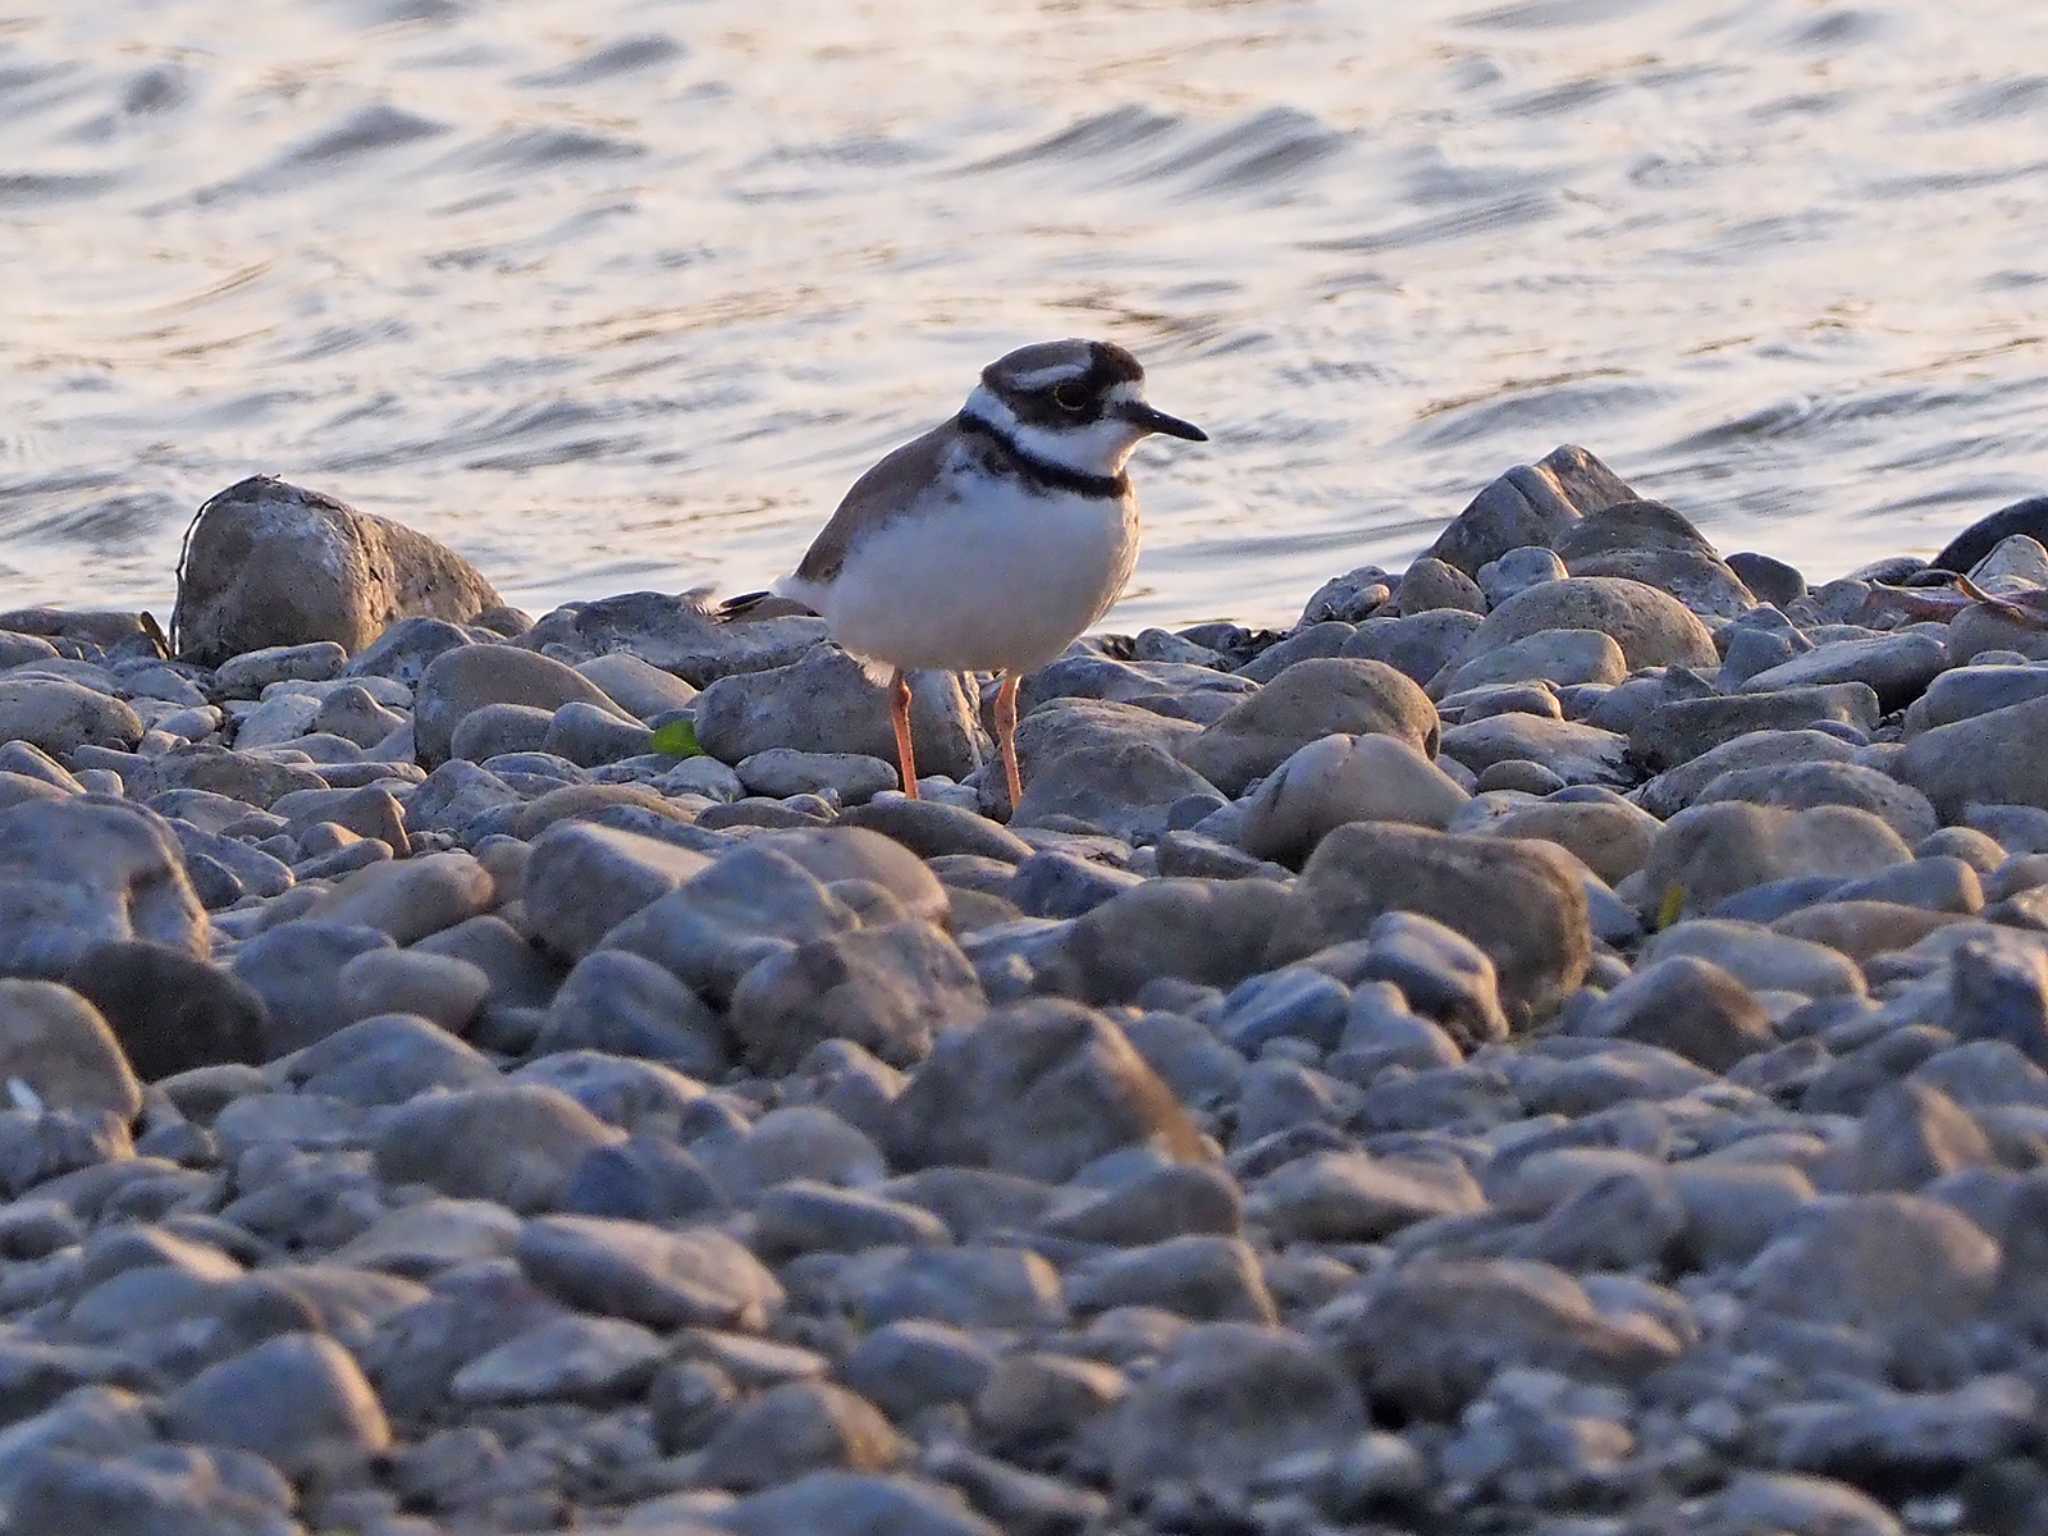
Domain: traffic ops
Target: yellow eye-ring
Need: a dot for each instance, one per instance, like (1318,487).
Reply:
(1069,397)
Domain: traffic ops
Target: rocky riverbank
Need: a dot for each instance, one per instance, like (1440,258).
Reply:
(1556,1041)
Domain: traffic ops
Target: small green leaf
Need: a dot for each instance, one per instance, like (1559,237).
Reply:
(678,739)
(1673,905)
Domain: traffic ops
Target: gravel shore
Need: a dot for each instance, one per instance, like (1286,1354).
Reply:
(1554,1042)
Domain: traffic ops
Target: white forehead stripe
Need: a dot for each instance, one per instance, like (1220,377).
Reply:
(1045,378)
(1124,394)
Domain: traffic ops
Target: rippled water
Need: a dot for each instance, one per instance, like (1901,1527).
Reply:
(622,293)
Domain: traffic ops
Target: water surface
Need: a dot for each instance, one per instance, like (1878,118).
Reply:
(622,293)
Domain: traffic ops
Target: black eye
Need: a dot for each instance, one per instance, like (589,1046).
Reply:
(1069,397)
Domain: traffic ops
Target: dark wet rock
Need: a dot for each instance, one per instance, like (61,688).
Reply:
(1772,580)
(1041,1090)
(170,1009)
(272,564)
(1966,549)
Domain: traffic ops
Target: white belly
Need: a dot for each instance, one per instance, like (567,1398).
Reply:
(1004,584)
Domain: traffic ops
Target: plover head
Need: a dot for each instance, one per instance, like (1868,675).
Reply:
(1078,405)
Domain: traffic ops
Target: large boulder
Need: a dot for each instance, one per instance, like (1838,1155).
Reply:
(272,564)
(1523,903)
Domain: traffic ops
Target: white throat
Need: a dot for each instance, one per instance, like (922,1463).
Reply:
(1100,447)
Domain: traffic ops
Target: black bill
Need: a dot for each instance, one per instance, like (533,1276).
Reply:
(1152,420)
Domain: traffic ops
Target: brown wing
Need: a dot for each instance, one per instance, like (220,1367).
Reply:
(884,492)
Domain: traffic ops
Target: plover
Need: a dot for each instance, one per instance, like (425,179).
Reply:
(991,542)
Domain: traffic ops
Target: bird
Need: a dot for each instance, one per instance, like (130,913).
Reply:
(992,541)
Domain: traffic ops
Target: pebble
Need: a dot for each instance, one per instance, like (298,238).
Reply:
(56,1051)
(515,1145)
(1339,779)
(687,1279)
(298,1400)
(1539,939)
(1307,701)
(1040,1090)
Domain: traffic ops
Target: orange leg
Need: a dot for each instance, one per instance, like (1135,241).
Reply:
(899,716)
(1006,735)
